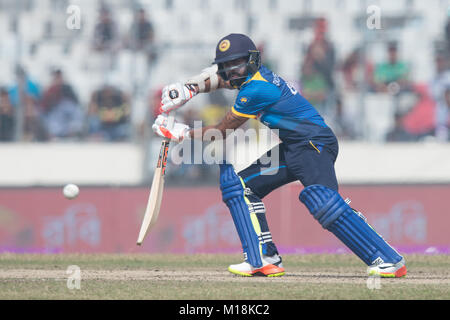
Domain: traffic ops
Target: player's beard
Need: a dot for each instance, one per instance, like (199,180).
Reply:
(237,83)
(237,79)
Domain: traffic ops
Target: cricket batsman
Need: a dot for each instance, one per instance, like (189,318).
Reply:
(307,153)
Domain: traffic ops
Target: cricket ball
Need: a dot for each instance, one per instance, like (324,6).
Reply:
(71,191)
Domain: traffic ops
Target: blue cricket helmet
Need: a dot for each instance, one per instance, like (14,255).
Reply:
(235,46)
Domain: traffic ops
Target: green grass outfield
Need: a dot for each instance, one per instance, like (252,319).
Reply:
(205,277)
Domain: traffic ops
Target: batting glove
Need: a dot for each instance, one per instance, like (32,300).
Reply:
(177,133)
(175,95)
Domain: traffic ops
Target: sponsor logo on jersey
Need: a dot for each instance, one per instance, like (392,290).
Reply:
(276,79)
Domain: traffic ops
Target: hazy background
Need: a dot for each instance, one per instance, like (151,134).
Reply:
(91,71)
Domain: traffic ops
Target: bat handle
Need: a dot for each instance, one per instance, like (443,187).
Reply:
(171,120)
(162,162)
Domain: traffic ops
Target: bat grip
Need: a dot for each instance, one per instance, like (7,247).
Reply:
(170,121)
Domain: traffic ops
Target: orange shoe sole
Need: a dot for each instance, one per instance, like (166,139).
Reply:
(267,271)
(397,274)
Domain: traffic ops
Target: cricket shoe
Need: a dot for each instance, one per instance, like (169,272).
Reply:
(272,267)
(388,270)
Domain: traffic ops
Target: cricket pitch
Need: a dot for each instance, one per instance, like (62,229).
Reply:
(204,277)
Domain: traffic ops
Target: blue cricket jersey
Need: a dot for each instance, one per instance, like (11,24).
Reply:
(279,106)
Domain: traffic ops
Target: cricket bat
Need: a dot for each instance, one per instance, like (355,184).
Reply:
(156,191)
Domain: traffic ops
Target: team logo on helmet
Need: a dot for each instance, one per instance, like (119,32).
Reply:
(224,45)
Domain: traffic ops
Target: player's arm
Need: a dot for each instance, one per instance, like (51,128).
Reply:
(177,94)
(231,121)
(222,84)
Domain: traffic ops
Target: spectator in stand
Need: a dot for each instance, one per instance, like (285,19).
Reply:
(399,133)
(216,109)
(153,105)
(24,97)
(109,114)
(442,132)
(317,82)
(61,113)
(106,39)
(447,32)
(142,35)
(105,32)
(393,71)
(314,86)
(350,68)
(439,87)
(353,71)
(442,77)
(6,117)
(419,119)
(341,123)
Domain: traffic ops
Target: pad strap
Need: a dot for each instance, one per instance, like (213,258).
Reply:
(258,209)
